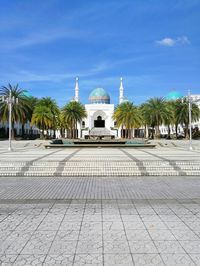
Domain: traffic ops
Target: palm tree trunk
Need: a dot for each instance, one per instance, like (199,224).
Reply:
(169,131)
(13,131)
(187,131)
(176,130)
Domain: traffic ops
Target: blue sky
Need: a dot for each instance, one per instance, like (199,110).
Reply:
(153,44)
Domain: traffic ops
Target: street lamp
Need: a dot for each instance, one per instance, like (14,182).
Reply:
(10,101)
(190,121)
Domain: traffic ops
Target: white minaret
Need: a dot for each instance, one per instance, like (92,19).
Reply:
(76,98)
(121,91)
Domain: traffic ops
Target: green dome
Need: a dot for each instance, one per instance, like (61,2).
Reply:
(99,95)
(173,95)
(27,94)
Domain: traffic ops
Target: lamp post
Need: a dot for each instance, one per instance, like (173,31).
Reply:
(10,101)
(190,121)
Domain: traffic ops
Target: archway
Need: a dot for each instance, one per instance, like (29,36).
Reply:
(99,122)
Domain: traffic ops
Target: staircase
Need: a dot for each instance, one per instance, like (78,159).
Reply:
(100,168)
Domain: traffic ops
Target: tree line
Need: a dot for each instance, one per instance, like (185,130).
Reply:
(45,114)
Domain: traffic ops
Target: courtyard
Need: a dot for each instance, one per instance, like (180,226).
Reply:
(99,206)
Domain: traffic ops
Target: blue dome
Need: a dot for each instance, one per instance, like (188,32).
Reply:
(99,95)
(173,95)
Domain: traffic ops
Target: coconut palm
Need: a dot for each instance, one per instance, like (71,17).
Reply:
(42,118)
(182,113)
(20,110)
(155,112)
(72,113)
(54,109)
(127,115)
(169,118)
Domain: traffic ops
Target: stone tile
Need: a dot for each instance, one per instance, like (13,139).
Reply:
(177,259)
(131,218)
(67,235)
(196,258)
(17,242)
(88,259)
(6,259)
(119,247)
(142,247)
(133,225)
(59,260)
(184,235)
(107,226)
(62,246)
(66,225)
(176,225)
(191,246)
(169,247)
(24,260)
(134,235)
(49,225)
(92,247)
(155,225)
(114,235)
(39,243)
(161,235)
(147,260)
(118,259)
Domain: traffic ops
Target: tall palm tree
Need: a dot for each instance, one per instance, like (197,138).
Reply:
(182,113)
(169,118)
(155,112)
(127,115)
(72,113)
(54,109)
(42,118)
(20,110)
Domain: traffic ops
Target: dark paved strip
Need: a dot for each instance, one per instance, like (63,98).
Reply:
(61,164)
(60,188)
(139,163)
(171,163)
(26,167)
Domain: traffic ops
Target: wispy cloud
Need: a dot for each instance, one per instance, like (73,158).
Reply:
(173,41)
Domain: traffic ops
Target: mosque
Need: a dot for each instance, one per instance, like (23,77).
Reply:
(99,113)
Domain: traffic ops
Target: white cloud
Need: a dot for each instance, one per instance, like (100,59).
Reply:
(173,41)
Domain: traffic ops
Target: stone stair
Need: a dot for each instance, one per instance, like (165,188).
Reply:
(100,168)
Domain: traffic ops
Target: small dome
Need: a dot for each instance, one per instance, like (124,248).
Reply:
(99,95)
(173,95)
(27,94)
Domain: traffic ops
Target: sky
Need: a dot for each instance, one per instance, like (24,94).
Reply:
(153,44)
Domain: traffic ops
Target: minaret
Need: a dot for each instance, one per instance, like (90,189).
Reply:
(121,92)
(76,98)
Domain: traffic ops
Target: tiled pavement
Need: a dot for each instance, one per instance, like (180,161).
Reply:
(100,232)
(100,220)
(100,162)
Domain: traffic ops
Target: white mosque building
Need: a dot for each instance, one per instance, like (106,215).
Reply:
(99,110)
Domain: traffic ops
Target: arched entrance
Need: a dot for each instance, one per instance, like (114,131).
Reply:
(99,122)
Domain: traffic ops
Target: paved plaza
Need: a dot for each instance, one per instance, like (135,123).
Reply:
(106,216)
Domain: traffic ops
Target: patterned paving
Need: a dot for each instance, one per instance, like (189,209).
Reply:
(100,232)
(99,207)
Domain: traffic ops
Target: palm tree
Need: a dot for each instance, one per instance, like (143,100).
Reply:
(54,109)
(42,118)
(72,113)
(20,110)
(169,118)
(127,115)
(182,113)
(155,112)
